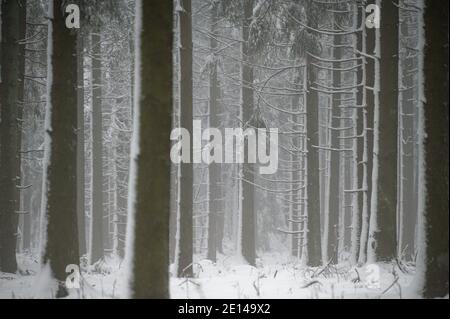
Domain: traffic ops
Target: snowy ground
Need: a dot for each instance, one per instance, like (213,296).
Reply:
(278,276)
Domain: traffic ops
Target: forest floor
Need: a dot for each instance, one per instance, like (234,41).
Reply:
(276,276)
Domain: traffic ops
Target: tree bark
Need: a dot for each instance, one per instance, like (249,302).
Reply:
(407,203)
(382,235)
(150,173)
(9,134)
(185,243)
(60,184)
(333,207)
(248,229)
(215,175)
(97,152)
(313,176)
(433,255)
(80,147)
(21,192)
(369,109)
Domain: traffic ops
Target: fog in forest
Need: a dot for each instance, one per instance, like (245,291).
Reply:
(224,149)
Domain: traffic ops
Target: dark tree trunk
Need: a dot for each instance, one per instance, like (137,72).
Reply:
(248,233)
(21,192)
(333,208)
(151,173)
(97,152)
(383,237)
(185,244)
(313,176)
(9,133)
(61,188)
(434,257)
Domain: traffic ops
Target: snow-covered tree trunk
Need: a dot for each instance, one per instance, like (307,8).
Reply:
(147,250)
(97,226)
(313,186)
(432,261)
(248,229)
(185,222)
(335,156)
(369,38)
(214,168)
(80,147)
(382,234)
(407,134)
(60,188)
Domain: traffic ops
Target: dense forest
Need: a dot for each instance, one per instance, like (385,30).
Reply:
(224,149)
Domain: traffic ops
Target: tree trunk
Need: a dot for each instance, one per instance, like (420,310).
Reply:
(61,142)
(432,268)
(333,207)
(97,152)
(9,134)
(369,38)
(148,229)
(80,147)
(407,203)
(185,243)
(382,234)
(295,196)
(20,174)
(215,174)
(313,185)
(360,131)
(248,233)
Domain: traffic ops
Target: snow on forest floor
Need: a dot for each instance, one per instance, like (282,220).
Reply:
(277,276)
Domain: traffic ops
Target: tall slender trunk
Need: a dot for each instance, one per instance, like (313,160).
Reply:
(333,206)
(382,236)
(214,168)
(407,140)
(80,147)
(22,191)
(248,223)
(61,141)
(97,152)
(369,78)
(313,186)
(295,196)
(360,129)
(185,243)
